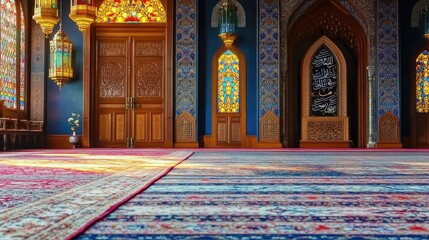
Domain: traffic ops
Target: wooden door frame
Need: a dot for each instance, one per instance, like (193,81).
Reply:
(89,37)
(243,128)
(306,28)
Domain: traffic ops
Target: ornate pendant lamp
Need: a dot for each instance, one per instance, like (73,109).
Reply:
(46,14)
(60,67)
(83,12)
(228,22)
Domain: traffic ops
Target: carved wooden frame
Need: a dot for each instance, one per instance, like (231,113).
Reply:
(269,135)
(389,129)
(243,105)
(342,87)
(185,116)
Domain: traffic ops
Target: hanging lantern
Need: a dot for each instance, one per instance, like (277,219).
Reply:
(83,12)
(424,21)
(228,22)
(46,14)
(60,68)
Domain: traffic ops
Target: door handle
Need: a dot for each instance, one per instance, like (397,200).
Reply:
(131,103)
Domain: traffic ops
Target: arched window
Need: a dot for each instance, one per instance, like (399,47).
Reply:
(135,11)
(12,54)
(422,82)
(228,83)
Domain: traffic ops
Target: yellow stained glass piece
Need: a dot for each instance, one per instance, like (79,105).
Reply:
(131,11)
(422,82)
(228,92)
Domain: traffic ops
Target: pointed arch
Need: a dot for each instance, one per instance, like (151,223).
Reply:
(324,117)
(12,54)
(139,11)
(340,76)
(422,82)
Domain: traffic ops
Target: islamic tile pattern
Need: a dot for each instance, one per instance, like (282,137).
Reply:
(37,73)
(388,57)
(269,61)
(186,58)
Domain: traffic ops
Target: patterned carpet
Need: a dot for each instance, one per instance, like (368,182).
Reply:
(52,194)
(280,195)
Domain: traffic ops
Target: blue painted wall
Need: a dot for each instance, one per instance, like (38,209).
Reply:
(209,43)
(61,103)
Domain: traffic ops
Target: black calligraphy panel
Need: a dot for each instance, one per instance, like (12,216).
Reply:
(324,83)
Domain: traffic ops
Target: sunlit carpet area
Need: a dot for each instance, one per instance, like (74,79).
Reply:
(280,195)
(52,194)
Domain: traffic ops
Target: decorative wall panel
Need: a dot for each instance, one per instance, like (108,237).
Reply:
(389,128)
(149,78)
(37,94)
(269,69)
(113,49)
(388,59)
(144,49)
(321,131)
(112,78)
(270,128)
(186,64)
(185,125)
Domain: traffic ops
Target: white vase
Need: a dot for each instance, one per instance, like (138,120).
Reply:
(74,139)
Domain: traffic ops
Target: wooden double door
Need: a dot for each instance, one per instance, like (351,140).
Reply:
(130,85)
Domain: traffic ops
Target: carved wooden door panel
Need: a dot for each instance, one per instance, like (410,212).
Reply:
(130,83)
(228,129)
(111,90)
(147,92)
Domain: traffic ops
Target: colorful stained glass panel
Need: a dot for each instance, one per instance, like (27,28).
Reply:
(228,99)
(22,59)
(131,11)
(8,58)
(422,83)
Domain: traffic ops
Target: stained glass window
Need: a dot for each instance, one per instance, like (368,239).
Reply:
(22,59)
(12,36)
(228,83)
(422,83)
(131,11)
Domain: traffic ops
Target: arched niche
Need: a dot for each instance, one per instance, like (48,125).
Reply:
(324,120)
(326,18)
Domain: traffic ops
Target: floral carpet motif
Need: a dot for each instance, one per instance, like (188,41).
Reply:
(280,195)
(52,194)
